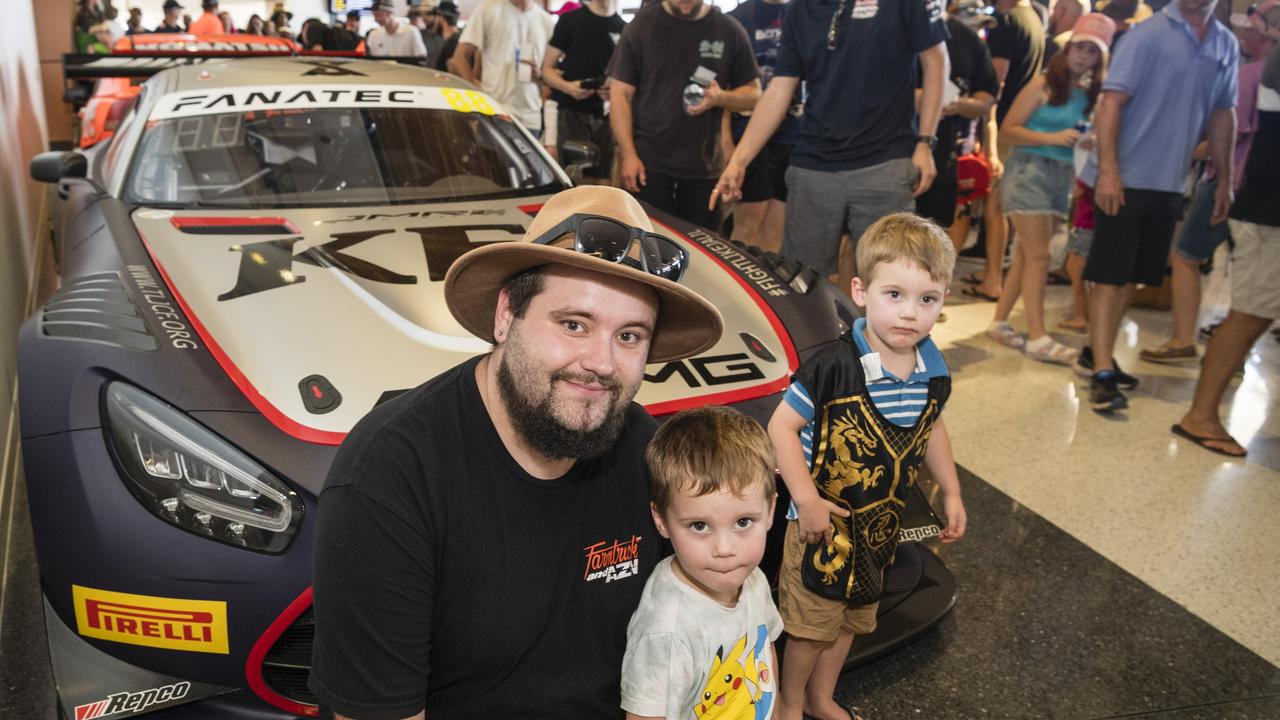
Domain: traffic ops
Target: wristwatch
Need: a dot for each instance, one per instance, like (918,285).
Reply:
(930,140)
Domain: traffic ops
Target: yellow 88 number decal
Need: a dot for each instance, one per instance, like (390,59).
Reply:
(467,101)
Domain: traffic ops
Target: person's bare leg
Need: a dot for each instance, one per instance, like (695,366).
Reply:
(819,696)
(1012,286)
(747,218)
(775,218)
(1034,232)
(1106,308)
(997,237)
(1186,300)
(959,230)
(1079,293)
(1226,351)
(844,278)
(798,661)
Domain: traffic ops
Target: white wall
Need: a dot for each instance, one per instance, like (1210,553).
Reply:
(22,134)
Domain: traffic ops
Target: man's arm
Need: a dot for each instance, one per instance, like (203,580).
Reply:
(934,63)
(465,63)
(942,466)
(1222,148)
(769,113)
(739,99)
(554,79)
(1109,193)
(620,96)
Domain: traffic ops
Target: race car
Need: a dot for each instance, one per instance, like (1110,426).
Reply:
(111,96)
(250,263)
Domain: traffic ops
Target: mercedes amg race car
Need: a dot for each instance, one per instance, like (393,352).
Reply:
(250,263)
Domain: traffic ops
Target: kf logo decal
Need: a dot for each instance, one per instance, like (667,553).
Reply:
(269,265)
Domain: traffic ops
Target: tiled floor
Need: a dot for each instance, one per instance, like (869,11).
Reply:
(1193,525)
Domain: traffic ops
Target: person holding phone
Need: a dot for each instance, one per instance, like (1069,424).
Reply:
(573,66)
(500,51)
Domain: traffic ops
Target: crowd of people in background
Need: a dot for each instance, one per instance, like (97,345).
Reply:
(1025,117)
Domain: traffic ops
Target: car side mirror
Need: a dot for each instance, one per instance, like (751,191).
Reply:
(579,153)
(53,167)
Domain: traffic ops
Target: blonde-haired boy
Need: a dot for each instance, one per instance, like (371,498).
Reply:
(851,433)
(701,642)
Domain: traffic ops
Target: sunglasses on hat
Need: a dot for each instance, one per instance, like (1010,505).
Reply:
(610,240)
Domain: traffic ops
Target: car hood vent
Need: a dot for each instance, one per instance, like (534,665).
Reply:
(96,308)
(234,225)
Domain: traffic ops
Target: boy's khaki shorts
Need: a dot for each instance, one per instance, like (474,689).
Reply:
(808,616)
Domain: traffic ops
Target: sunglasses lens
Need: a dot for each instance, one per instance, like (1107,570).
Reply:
(604,239)
(664,258)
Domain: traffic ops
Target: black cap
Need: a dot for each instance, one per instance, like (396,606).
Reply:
(172,5)
(353,14)
(388,5)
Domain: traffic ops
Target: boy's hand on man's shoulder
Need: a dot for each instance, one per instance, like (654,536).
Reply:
(957,519)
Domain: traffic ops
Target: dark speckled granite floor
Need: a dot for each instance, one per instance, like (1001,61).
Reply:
(1047,628)
(1044,628)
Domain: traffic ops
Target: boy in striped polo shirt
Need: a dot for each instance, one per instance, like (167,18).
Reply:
(851,433)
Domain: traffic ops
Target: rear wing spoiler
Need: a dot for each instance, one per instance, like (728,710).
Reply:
(145,63)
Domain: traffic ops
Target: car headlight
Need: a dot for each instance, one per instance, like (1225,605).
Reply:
(191,478)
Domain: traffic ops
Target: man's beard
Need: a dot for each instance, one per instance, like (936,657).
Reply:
(676,11)
(535,418)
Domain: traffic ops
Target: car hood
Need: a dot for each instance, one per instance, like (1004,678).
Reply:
(318,315)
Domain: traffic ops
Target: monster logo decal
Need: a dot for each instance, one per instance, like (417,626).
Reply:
(739,685)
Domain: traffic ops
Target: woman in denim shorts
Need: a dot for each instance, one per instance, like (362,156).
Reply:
(1043,127)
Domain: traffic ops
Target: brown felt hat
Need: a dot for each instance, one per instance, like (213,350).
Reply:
(687,323)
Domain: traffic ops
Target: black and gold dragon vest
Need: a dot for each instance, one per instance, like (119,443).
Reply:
(866,464)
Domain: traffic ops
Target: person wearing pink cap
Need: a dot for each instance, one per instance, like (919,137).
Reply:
(1043,127)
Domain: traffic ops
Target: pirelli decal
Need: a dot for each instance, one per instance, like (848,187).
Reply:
(188,625)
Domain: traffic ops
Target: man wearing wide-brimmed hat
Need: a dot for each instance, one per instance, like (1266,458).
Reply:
(484,538)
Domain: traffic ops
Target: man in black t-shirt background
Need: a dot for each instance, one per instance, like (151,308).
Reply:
(444,19)
(574,66)
(670,148)
(974,77)
(484,538)
(1017,52)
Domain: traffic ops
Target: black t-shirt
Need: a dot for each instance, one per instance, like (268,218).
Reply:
(1019,38)
(972,72)
(860,110)
(446,52)
(587,41)
(1258,200)
(658,54)
(447,577)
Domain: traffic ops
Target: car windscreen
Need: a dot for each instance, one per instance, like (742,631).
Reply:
(334,156)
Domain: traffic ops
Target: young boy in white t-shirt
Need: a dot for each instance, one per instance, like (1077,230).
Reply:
(700,645)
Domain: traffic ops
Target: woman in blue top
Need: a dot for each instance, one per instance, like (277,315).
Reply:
(1043,127)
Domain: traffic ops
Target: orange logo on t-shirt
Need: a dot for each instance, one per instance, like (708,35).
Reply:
(612,561)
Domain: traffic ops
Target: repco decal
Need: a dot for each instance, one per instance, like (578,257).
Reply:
(162,309)
(132,702)
(918,534)
(268,265)
(610,561)
(189,625)
(742,262)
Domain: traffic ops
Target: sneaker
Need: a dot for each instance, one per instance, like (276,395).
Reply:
(1046,349)
(1003,333)
(1103,395)
(1084,368)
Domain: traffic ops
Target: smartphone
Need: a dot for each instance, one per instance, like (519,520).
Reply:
(591,83)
